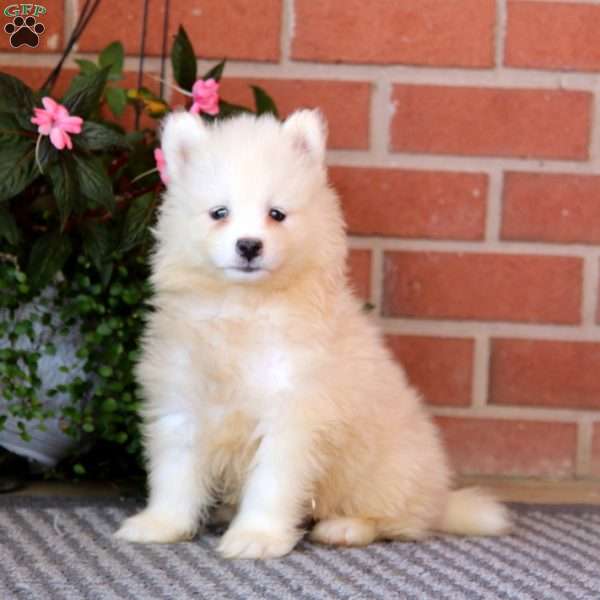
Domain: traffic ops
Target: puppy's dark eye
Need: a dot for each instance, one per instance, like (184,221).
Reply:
(218,213)
(277,215)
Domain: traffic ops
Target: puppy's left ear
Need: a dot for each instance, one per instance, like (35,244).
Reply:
(183,134)
(308,131)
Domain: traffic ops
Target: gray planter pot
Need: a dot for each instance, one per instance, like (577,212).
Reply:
(50,446)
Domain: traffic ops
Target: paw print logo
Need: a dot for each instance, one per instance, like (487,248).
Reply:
(24,32)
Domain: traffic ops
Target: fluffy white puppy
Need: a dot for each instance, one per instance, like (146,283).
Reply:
(267,387)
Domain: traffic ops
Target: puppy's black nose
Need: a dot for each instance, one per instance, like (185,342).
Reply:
(249,248)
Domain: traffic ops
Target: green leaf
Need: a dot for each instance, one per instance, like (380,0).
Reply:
(104,330)
(183,60)
(112,57)
(105,371)
(79,469)
(106,273)
(15,94)
(86,67)
(23,118)
(109,405)
(116,98)
(216,72)
(8,227)
(134,138)
(10,130)
(83,97)
(47,153)
(264,103)
(96,136)
(65,186)
(96,242)
(78,83)
(48,256)
(137,220)
(94,182)
(226,109)
(17,167)
(121,437)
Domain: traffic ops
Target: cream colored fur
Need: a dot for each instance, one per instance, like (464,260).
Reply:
(271,390)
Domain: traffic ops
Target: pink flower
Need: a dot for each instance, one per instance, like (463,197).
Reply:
(206,97)
(54,120)
(161,165)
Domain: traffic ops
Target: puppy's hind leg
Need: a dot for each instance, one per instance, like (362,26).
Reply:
(344,531)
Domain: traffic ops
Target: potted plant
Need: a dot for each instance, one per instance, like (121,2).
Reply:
(78,195)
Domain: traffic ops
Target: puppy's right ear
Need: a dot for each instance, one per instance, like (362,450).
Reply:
(182,136)
(308,131)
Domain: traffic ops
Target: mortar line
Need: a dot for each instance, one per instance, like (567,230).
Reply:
(583,461)
(376,273)
(380,118)
(500,33)
(288,19)
(516,413)
(493,217)
(503,78)
(465,163)
(377,280)
(513,330)
(508,79)
(590,290)
(70,18)
(481,369)
(168,94)
(488,247)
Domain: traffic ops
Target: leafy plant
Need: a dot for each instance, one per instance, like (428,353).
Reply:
(74,243)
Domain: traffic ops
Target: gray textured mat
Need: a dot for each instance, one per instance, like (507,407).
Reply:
(58,549)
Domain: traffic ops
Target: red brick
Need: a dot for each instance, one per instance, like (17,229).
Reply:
(553,35)
(359,272)
(545,373)
(511,448)
(49,41)
(428,32)
(348,121)
(595,463)
(240,29)
(551,207)
(440,368)
(415,204)
(491,121)
(497,287)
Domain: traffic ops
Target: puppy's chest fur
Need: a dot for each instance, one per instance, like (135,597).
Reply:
(247,368)
(249,357)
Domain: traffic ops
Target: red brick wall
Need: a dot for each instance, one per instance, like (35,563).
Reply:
(465,142)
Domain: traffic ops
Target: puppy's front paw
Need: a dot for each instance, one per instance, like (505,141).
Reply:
(151,527)
(242,542)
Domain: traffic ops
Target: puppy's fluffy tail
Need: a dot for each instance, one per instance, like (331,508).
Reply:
(473,511)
